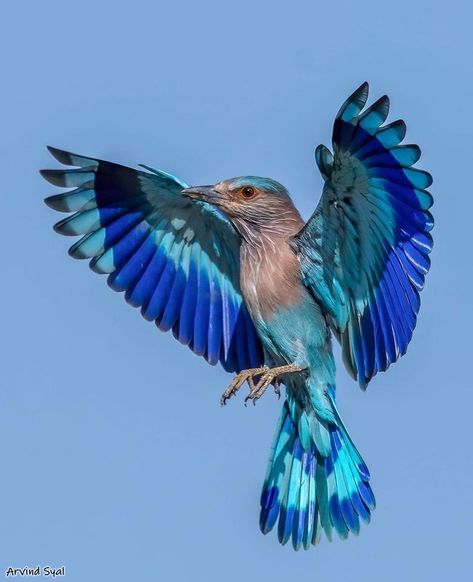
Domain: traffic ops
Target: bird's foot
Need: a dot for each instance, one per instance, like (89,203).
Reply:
(264,377)
(270,376)
(239,380)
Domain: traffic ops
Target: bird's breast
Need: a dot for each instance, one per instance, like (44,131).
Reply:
(270,277)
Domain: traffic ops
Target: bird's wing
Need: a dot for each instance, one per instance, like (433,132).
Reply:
(176,259)
(364,252)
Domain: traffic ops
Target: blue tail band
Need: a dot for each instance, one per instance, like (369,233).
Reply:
(307,493)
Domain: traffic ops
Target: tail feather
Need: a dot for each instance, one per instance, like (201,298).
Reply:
(287,521)
(334,500)
(323,498)
(301,515)
(306,491)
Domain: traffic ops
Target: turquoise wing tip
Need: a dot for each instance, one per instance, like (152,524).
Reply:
(355,103)
(324,160)
(60,155)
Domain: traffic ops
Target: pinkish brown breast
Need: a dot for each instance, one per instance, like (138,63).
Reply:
(270,276)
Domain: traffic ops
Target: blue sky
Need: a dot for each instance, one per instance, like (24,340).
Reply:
(117,460)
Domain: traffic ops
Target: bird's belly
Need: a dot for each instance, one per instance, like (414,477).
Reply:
(293,333)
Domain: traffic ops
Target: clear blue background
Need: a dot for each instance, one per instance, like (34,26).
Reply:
(116,459)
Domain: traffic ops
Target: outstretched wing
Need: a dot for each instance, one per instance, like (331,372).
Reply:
(175,258)
(364,252)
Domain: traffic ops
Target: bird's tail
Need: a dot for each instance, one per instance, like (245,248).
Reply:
(316,480)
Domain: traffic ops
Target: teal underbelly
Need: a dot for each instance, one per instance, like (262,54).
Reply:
(296,334)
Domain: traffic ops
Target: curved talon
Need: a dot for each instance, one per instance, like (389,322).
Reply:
(260,388)
(277,388)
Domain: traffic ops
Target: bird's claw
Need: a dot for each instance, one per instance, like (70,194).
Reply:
(267,378)
(277,388)
(264,377)
(239,380)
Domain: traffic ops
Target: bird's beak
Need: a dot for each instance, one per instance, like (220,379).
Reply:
(204,194)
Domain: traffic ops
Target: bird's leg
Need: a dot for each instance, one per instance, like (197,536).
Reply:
(270,376)
(239,380)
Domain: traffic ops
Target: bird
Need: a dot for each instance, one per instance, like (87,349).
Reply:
(236,274)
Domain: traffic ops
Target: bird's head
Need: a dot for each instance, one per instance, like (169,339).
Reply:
(250,202)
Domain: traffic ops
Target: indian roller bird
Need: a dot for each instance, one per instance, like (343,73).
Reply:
(239,277)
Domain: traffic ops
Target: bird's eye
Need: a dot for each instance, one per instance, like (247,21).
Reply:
(248,192)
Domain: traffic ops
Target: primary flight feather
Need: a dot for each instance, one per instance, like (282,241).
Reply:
(239,277)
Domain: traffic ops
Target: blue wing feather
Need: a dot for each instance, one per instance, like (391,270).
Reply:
(175,259)
(364,252)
